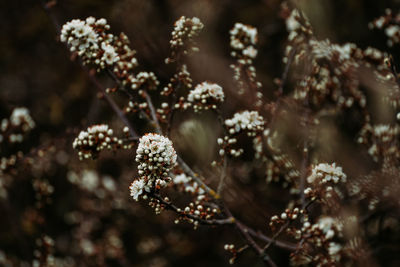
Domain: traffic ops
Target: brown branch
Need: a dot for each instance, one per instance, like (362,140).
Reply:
(280,244)
(111,102)
(197,178)
(286,71)
(170,206)
(225,160)
(153,113)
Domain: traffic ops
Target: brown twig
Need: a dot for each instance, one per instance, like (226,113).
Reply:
(170,206)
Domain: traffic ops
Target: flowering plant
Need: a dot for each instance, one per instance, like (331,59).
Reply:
(326,192)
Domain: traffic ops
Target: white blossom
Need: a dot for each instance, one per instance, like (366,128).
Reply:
(324,172)
(137,188)
(95,139)
(249,121)
(21,117)
(205,95)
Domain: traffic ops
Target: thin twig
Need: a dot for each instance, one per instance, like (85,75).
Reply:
(153,113)
(304,165)
(170,206)
(280,244)
(172,112)
(111,102)
(196,178)
(225,160)
(245,233)
(286,71)
(283,227)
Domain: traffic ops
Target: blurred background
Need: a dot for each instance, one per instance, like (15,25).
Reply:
(101,229)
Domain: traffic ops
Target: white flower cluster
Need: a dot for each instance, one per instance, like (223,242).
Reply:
(185,29)
(89,40)
(148,78)
(324,173)
(388,22)
(20,122)
(292,22)
(329,228)
(245,121)
(21,117)
(156,156)
(383,136)
(297,25)
(385,132)
(95,139)
(244,38)
(326,50)
(325,234)
(206,95)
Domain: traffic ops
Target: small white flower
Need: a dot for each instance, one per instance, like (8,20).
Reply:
(181,179)
(109,56)
(137,188)
(250,51)
(21,117)
(249,121)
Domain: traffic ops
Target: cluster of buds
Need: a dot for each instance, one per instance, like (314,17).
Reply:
(185,29)
(322,243)
(382,140)
(96,138)
(124,67)
(331,72)
(299,31)
(156,156)
(44,252)
(324,183)
(325,50)
(332,77)
(297,26)
(196,211)
(231,249)
(14,128)
(180,79)
(206,96)
(390,23)
(144,79)
(324,173)
(246,121)
(90,40)
(163,111)
(243,39)
(285,217)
